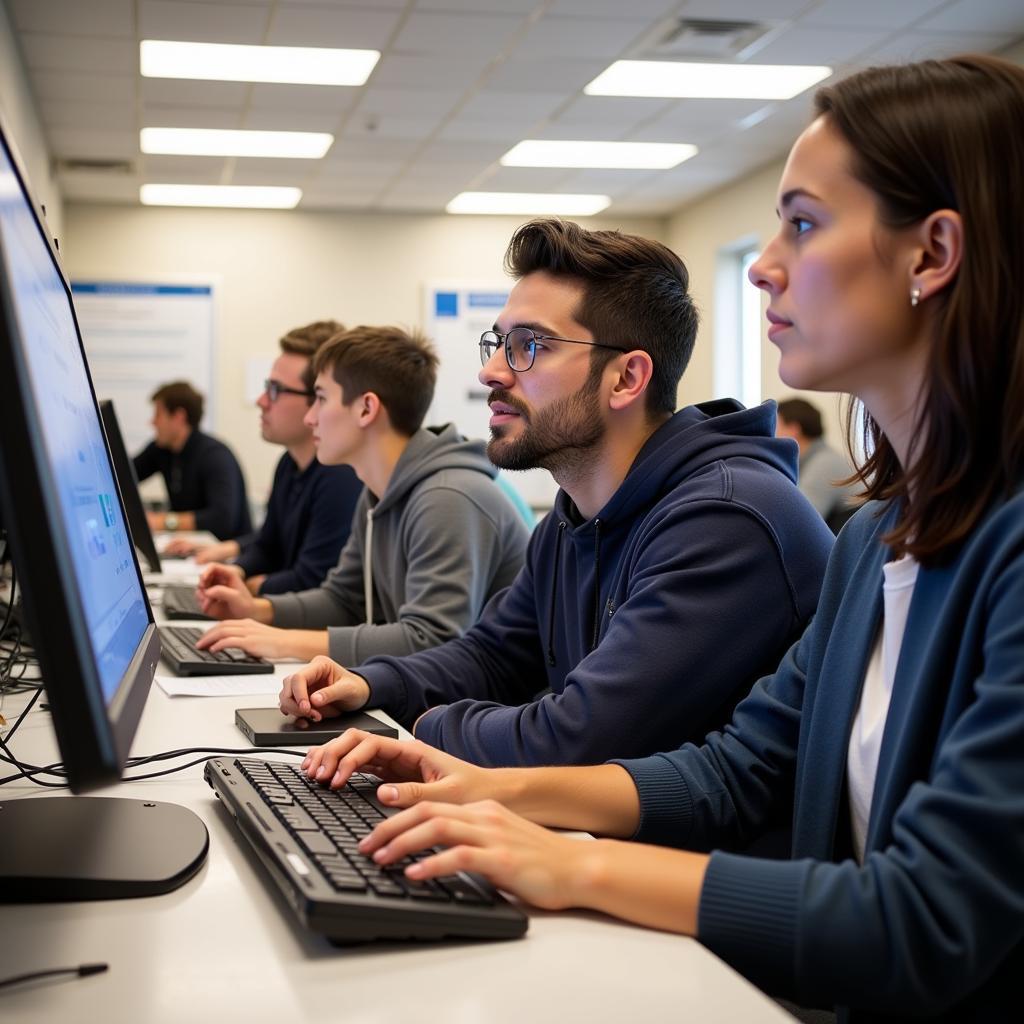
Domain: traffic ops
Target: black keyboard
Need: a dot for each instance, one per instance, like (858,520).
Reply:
(178,649)
(180,602)
(336,889)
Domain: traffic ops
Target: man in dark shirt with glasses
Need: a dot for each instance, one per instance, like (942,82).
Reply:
(309,512)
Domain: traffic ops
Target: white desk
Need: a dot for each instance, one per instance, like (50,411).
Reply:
(221,948)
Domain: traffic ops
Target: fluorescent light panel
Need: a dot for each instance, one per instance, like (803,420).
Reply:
(705,81)
(629,155)
(257,196)
(226,142)
(228,62)
(530,203)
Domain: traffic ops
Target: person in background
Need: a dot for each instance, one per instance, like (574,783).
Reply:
(433,538)
(309,513)
(894,729)
(822,468)
(205,485)
(666,520)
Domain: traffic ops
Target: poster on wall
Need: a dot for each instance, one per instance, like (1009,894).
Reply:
(455,315)
(139,335)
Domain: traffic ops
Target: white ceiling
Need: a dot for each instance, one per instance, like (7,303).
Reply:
(459,83)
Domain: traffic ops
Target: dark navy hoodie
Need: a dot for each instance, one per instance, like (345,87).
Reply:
(638,629)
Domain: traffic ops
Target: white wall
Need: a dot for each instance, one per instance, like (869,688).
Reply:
(18,108)
(278,270)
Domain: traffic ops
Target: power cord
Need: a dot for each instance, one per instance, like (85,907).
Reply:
(81,971)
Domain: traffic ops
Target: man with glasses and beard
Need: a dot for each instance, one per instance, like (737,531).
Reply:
(678,563)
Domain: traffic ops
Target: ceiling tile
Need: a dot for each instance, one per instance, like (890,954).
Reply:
(361,29)
(391,126)
(79,53)
(372,150)
(202,22)
(517,106)
(347,199)
(525,179)
(524,73)
(868,13)
(97,18)
(696,120)
(909,46)
(92,144)
(613,8)
(979,16)
(557,39)
(271,172)
(407,102)
(174,92)
(187,170)
(469,129)
(817,46)
(268,120)
(426,32)
(158,116)
(275,96)
(99,188)
(745,10)
(56,85)
(409,71)
(622,111)
(117,115)
(473,6)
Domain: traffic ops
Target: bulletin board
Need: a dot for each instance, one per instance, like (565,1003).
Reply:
(139,335)
(455,314)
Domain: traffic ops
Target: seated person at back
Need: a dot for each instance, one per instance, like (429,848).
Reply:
(309,513)
(821,466)
(677,565)
(433,538)
(204,482)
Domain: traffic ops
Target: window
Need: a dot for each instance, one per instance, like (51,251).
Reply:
(738,326)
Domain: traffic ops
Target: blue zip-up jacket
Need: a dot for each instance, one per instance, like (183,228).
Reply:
(932,923)
(645,623)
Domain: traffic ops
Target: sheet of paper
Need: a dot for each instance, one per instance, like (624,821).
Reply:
(220,686)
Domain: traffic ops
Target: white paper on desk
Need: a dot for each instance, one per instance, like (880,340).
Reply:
(219,686)
(185,570)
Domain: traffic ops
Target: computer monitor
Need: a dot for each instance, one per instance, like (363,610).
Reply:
(83,596)
(124,469)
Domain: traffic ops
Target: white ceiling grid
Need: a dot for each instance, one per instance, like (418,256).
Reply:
(459,83)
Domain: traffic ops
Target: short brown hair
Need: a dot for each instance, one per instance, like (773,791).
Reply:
(304,341)
(946,134)
(635,295)
(398,366)
(179,394)
(804,415)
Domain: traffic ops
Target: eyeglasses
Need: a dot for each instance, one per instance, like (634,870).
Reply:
(521,346)
(275,389)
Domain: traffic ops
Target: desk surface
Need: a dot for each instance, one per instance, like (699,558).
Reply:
(222,947)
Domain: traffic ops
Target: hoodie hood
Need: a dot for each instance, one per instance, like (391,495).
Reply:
(695,438)
(430,450)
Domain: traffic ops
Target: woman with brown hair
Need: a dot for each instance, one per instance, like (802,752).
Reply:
(894,728)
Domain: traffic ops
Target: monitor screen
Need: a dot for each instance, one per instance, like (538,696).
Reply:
(85,605)
(129,484)
(83,593)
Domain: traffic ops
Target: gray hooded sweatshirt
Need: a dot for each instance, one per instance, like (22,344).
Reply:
(438,544)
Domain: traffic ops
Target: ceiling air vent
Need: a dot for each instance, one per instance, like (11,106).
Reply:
(71,165)
(699,38)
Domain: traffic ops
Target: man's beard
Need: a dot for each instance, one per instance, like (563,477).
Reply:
(557,438)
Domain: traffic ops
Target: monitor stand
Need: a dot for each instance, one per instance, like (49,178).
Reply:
(65,849)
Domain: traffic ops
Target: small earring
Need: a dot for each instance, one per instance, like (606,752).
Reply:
(915,296)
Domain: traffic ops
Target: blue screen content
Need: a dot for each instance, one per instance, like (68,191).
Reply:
(78,471)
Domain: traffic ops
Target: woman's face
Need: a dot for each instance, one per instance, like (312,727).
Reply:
(837,279)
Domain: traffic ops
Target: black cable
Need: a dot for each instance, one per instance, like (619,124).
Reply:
(82,971)
(30,771)
(10,604)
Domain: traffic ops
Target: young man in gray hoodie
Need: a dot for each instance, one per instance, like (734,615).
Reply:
(433,537)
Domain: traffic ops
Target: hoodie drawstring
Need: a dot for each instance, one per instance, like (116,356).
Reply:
(597,582)
(368,568)
(554,593)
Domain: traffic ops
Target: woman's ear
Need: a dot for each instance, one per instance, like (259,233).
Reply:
(940,239)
